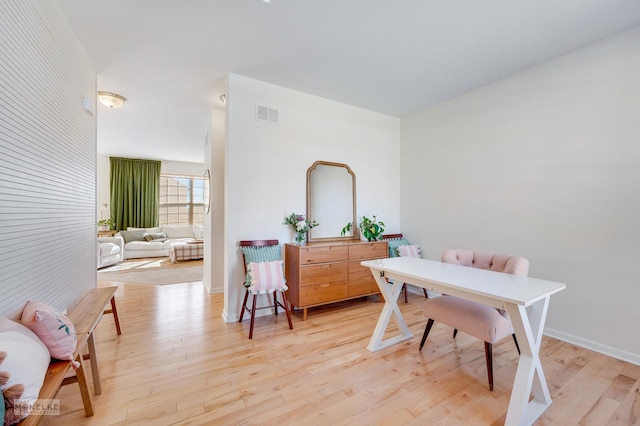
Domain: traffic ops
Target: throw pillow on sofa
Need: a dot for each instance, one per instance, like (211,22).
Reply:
(160,236)
(137,235)
(53,328)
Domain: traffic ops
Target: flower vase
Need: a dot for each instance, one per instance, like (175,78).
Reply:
(301,238)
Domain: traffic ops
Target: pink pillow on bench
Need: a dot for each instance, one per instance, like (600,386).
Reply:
(53,328)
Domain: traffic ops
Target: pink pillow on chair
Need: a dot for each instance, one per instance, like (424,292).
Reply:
(412,250)
(266,277)
(53,328)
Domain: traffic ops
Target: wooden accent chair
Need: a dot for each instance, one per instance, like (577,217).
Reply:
(264,274)
(395,240)
(482,321)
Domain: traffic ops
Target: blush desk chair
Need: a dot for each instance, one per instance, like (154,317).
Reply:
(484,322)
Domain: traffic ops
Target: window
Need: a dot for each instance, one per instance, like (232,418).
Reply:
(181,199)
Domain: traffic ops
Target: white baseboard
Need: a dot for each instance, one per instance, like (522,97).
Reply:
(207,284)
(226,318)
(212,290)
(594,346)
(579,341)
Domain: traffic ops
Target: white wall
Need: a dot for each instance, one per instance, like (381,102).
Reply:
(544,164)
(267,164)
(214,245)
(178,167)
(103,182)
(47,159)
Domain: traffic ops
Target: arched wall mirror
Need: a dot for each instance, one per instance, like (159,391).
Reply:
(331,200)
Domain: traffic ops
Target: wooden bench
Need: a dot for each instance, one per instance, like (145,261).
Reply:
(85,314)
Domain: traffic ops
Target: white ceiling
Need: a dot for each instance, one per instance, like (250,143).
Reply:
(395,57)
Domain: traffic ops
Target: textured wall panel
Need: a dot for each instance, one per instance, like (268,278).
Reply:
(47,159)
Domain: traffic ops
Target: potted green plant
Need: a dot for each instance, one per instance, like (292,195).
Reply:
(105,224)
(371,229)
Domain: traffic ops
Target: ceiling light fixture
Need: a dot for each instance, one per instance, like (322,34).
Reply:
(112,100)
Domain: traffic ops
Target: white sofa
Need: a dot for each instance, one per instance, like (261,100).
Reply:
(157,242)
(110,250)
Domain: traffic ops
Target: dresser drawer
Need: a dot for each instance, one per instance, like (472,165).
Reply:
(323,293)
(324,273)
(355,267)
(361,283)
(323,254)
(372,250)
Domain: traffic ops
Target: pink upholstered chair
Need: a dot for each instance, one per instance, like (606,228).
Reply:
(484,322)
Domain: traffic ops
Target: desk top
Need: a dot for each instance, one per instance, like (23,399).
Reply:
(457,280)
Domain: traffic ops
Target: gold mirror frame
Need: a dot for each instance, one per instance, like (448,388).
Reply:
(314,187)
(206,191)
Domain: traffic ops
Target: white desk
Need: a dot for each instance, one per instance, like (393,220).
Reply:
(525,299)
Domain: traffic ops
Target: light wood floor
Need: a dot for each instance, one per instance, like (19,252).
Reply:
(176,362)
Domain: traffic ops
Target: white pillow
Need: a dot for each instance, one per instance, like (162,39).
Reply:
(7,325)
(25,362)
(178,231)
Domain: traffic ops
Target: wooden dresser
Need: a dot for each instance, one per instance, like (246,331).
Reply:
(321,273)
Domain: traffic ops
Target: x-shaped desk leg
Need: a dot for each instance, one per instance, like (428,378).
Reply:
(390,292)
(529,379)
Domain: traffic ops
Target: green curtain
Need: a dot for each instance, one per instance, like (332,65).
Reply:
(135,192)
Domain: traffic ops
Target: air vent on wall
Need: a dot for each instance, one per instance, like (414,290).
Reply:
(267,114)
